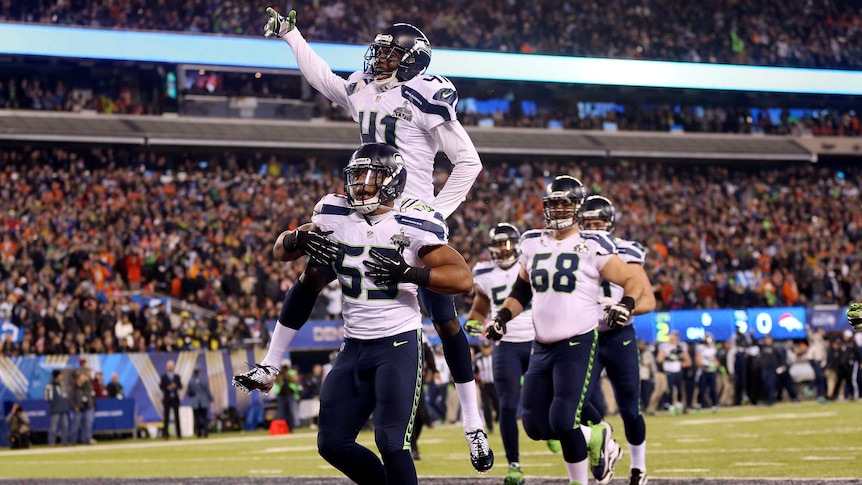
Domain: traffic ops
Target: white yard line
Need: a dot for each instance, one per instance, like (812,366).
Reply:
(752,419)
(154,443)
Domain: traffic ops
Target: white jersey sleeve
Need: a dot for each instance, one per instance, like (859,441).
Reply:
(426,226)
(330,212)
(458,146)
(434,99)
(630,251)
(496,283)
(317,72)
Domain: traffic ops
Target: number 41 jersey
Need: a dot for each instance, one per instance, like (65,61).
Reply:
(404,116)
(565,278)
(371,311)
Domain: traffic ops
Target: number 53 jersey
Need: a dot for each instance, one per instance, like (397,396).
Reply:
(373,311)
(566,281)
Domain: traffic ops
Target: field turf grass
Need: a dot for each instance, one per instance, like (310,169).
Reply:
(791,441)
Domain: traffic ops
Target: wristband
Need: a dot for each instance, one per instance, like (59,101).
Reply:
(419,276)
(628,302)
(504,315)
(288,242)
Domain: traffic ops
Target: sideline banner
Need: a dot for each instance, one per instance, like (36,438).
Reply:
(110,415)
(25,378)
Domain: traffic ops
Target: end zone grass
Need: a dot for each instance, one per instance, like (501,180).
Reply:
(784,441)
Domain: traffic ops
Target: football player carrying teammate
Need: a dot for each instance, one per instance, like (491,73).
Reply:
(383,249)
(394,102)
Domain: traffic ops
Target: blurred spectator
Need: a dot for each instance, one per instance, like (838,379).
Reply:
(100,391)
(200,399)
(170,385)
(82,400)
(19,427)
(115,389)
(58,407)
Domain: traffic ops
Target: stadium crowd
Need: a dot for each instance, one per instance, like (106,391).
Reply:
(83,231)
(735,32)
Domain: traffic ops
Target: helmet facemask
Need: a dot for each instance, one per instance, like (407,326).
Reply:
(504,253)
(365,185)
(401,43)
(560,211)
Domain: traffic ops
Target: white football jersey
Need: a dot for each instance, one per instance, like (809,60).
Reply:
(371,311)
(404,117)
(630,252)
(673,355)
(565,276)
(496,283)
(707,355)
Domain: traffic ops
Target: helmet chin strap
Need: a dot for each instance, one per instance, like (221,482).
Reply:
(388,83)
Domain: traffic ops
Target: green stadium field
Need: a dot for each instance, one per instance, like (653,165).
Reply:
(743,445)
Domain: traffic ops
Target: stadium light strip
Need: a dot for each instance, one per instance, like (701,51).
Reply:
(251,52)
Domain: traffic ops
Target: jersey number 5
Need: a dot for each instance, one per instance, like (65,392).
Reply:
(368,127)
(353,289)
(564,279)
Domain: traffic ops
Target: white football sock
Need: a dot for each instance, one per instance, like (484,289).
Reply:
(281,339)
(638,456)
(578,472)
(469,404)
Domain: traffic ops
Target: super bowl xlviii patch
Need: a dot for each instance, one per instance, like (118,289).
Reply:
(581,248)
(400,240)
(403,112)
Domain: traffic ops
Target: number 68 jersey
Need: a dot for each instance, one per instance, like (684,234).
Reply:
(372,311)
(565,278)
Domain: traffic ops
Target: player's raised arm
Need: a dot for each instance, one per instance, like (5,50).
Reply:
(316,71)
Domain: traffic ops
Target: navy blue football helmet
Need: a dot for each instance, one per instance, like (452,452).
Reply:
(378,167)
(404,43)
(503,244)
(562,201)
(600,208)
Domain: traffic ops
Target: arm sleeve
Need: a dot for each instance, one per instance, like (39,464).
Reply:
(456,144)
(316,70)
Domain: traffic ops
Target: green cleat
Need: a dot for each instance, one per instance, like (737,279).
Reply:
(554,445)
(515,475)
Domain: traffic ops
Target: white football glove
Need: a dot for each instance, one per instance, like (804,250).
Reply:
(277,25)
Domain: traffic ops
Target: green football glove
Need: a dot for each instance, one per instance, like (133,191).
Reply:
(854,315)
(474,328)
(277,25)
